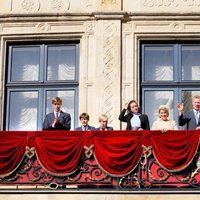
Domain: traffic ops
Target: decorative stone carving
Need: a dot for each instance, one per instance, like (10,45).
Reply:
(110,2)
(43,27)
(30,5)
(90,27)
(110,46)
(176,26)
(170,3)
(60,5)
(128,27)
(89,4)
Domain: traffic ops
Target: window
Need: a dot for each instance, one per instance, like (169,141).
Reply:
(35,74)
(170,72)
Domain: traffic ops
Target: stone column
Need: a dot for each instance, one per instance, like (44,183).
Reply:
(108,69)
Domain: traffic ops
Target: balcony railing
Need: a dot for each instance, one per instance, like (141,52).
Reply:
(114,161)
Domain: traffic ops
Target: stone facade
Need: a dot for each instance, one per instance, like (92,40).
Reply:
(109,32)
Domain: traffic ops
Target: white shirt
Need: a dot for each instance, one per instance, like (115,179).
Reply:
(56,114)
(135,122)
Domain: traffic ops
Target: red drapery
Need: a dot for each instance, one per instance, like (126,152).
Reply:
(12,149)
(59,153)
(116,152)
(175,150)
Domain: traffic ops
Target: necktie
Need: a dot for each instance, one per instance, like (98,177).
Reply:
(197,116)
(85,128)
(56,114)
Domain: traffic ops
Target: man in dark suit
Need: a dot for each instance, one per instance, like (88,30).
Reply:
(190,118)
(84,119)
(57,120)
(103,122)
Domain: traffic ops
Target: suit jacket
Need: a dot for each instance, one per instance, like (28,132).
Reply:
(189,120)
(64,121)
(108,128)
(89,128)
(127,118)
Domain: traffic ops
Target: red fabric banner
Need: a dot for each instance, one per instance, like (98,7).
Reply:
(59,153)
(175,150)
(12,149)
(116,152)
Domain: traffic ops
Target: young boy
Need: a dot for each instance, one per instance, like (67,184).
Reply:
(84,119)
(103,122)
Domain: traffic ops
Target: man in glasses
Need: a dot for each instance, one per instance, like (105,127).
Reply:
(57,120)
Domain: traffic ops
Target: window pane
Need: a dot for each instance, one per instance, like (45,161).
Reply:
(158,98)
(61,63)
(68,98)
(23,110)
(25,64)
(158,63)
(191,63)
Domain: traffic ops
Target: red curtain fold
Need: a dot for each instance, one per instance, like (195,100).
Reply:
(12,149)
(175,150)
(118,152)
(59,153)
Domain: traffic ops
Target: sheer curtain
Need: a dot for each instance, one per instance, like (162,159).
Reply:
(23,110)
(25,64)
(191,63)
(158,98)
(159,64)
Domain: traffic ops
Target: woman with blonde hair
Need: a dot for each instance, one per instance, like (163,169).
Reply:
(163,123)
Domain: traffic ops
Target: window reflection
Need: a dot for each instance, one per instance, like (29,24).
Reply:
(190,63)
(158,63)
(25,64)
(61,63)
(158,98)
(23,110)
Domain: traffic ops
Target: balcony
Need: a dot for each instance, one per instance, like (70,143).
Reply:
(99,161)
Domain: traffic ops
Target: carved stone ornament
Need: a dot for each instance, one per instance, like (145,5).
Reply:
(90,27)
(109,2)
(89,4)
(128,27)
(43,27)
(170,3)
(176,26)
(30,5)
(110,49)
(60,5)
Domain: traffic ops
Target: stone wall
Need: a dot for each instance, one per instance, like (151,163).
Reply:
(109,32)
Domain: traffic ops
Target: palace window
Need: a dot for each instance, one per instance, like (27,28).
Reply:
(170,73)
(35,74)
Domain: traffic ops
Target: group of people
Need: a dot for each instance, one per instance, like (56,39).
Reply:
(59,120)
